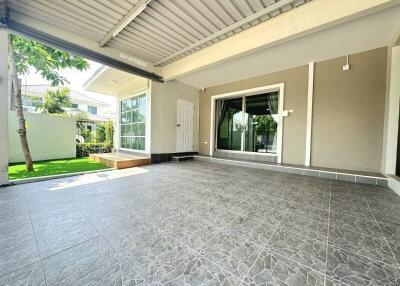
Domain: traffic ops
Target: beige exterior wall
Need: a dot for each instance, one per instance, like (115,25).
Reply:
(49,137)
(349,112)
(294,128)
(164,98)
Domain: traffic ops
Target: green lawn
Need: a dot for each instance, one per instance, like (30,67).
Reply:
(53,167)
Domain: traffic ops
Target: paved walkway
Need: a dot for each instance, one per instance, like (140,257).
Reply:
(194,223)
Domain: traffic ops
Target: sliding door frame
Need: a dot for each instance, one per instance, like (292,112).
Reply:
(244,93)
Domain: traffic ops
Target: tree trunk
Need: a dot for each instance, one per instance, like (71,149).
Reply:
(16,90)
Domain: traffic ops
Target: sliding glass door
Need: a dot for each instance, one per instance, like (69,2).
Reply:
(229,121)
(248,123)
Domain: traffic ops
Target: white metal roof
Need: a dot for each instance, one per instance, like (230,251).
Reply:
(108,80)
(164,31)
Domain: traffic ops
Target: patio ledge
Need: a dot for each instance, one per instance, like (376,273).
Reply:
(333,174)
(51,177)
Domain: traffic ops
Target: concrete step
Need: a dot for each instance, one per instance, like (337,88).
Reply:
(182,158)
(120,160)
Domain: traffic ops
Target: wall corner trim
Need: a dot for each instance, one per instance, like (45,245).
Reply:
(310,96)
(394,184)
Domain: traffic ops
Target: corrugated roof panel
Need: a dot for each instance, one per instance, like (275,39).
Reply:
(87,31)
(166,30)
(109,80)
(45,12)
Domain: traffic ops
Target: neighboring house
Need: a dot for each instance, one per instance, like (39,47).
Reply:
(33,95)
(96,110)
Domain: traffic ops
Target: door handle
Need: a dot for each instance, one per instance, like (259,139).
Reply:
(178,125)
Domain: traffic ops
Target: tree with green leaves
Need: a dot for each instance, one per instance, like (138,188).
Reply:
(104,132)
(54,101)
(24,54)
(100,132)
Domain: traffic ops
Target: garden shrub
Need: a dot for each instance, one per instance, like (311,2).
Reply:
(84,149)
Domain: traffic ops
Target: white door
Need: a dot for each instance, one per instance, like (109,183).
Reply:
(184,126)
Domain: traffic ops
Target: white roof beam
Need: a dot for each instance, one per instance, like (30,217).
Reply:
(68,40)
(125,21)
(238,24)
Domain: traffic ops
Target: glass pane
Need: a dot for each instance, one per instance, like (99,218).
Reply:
(123,145)
(141,129)
(134,129)
(132,116)
(128,104)
(134,102)
(92,109)
(142,101)
(142,114)
(141,143)
(135,115)
(229,119)
(123,117)
(261,123)
(123,105)
(134,143)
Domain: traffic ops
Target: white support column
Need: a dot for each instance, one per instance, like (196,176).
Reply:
(117,130)
(392,116)
(3,106)
(309,113)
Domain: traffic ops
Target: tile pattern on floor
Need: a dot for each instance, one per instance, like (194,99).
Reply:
(197,223)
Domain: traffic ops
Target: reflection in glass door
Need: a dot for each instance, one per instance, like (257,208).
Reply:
(261,123)
(248,123)
(230,123)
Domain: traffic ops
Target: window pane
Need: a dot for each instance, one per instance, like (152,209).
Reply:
(134,102)
(128,116)
(134,143)
(128,104)
(141,129)
(26,100)
(133,117)
(142,114)
(134,129)
(123,105)
(141,144)
(142,101)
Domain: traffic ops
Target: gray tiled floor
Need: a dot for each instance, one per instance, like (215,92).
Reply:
(195,223)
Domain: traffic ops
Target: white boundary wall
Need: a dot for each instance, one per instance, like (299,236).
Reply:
(49,137)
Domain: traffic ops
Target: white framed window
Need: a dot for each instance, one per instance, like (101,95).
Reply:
(31,100)
(92,109)
(133,122)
